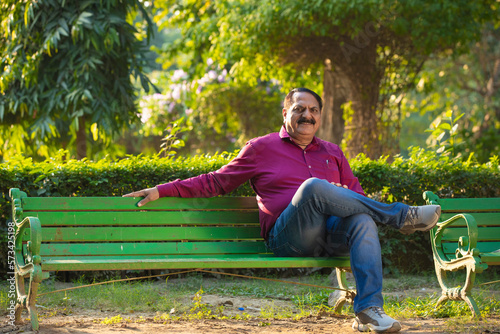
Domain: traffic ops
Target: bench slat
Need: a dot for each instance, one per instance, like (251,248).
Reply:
(491,258)
(130,203)
(146,233)
(188,262)
(465,205)
(484,234)
(484,247)
(146,218)
(482,219)
(152,248)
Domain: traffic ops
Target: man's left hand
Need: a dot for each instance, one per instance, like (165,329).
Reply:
(339,185)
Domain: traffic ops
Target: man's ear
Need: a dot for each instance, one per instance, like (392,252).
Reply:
(284,114)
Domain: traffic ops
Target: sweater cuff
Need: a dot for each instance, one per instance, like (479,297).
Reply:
(168,190)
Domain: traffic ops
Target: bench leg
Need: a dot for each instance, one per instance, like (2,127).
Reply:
(21,298)
(27,301)
(343,296)
(458,294)
(28,264)
(31,305)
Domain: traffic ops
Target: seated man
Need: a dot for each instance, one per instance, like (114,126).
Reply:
(310,203)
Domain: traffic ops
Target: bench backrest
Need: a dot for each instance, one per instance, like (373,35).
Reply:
(115,226)
(486,212)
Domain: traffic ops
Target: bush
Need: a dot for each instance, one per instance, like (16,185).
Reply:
(402,180)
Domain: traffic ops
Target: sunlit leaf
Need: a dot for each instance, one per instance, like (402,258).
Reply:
(95,131)
(441,136)
(459,116)
(444,126)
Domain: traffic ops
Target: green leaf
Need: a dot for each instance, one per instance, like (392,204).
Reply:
(84,18)
(61,31)
(87,93)
(445,126)
(145,83)
(39,178)
(95,131)
(63,26)
(459,116)
(28,12)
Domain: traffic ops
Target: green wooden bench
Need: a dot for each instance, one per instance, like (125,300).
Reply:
(112,233)
(467,237)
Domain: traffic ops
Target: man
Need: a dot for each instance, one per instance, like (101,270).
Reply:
(310,203)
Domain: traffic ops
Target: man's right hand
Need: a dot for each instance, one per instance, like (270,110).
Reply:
(149,194)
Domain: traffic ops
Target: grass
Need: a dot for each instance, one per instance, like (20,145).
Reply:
(406,297)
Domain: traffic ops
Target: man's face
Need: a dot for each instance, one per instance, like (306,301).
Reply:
(303,117)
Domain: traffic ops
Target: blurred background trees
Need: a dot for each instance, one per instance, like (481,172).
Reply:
(468,84)
(366,52)
(83,72)
(66,69)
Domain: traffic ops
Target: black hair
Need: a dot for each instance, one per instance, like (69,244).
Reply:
(289,97)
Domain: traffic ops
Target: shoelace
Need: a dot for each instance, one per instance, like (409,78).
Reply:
(412,214)
(378,310)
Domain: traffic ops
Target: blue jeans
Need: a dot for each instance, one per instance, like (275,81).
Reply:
(325,220)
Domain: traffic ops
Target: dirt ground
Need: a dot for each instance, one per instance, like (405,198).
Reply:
(80,321)
(89,321)
(91,324)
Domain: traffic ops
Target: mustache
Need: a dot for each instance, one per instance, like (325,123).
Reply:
(305,120)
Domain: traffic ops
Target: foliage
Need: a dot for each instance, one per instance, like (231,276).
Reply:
(376,48)
(157,111)
(171,140)
(65,71)
(405,179)
(220,113)
(468,84)
(402,180)
(231,113)
(444,132)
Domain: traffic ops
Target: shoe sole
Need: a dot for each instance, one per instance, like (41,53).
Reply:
(395,327)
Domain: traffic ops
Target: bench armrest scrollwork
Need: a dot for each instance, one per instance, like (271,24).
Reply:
(467,244)
(29,262)
(466,256)
(27,258)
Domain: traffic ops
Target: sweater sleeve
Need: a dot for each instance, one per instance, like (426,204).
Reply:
(220,182)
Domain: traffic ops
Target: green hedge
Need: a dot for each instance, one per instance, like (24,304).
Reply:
(401,180)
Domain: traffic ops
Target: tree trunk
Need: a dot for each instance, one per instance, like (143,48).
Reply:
(349,112)
(363,128)
(334,96)
(81,139)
